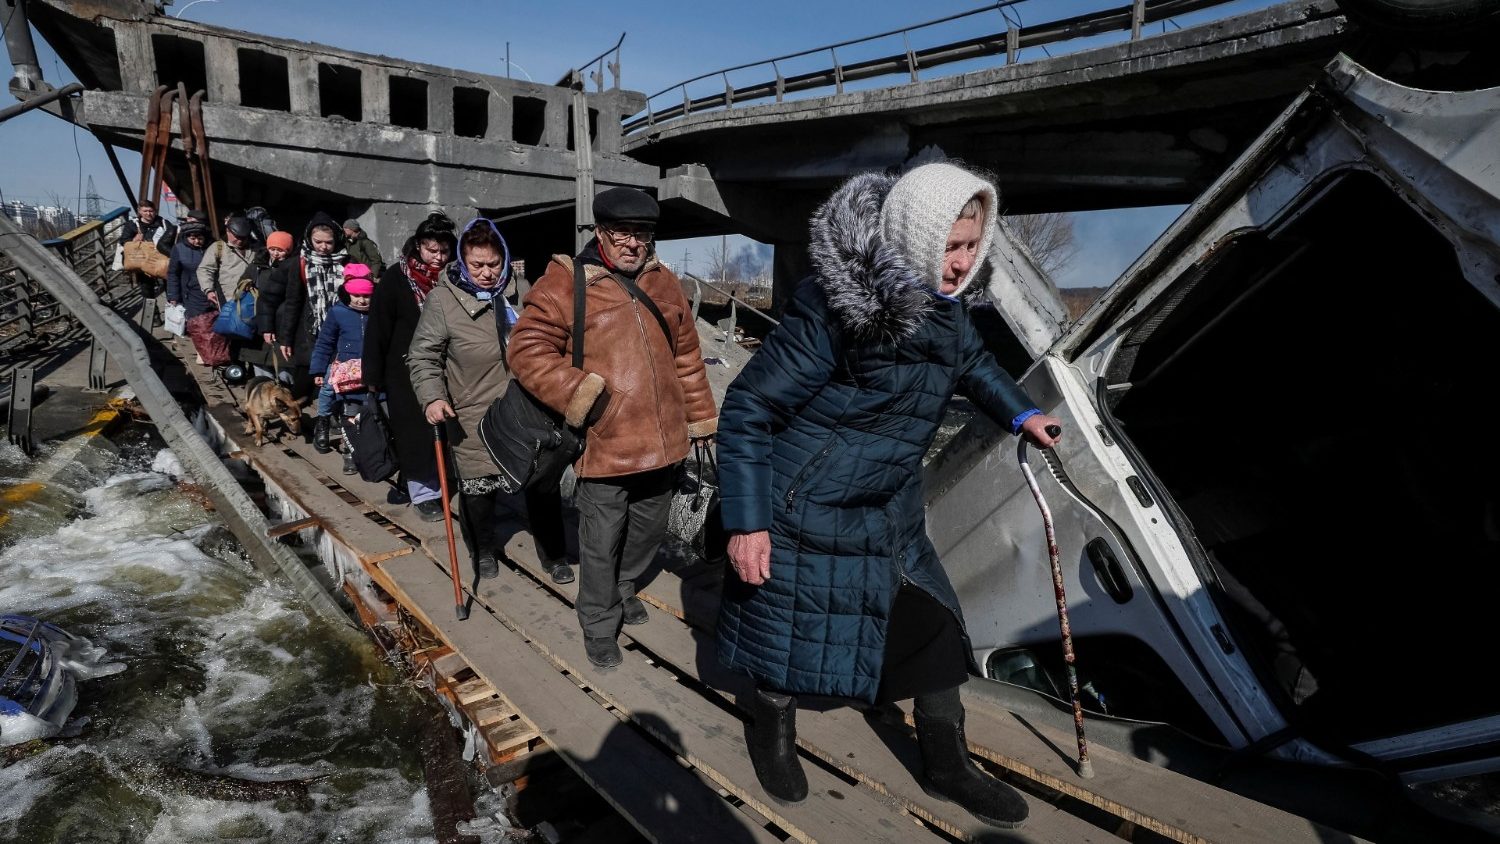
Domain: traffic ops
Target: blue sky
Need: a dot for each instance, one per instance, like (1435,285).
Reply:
(666,42)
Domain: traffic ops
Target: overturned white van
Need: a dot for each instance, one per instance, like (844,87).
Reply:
(1278,498)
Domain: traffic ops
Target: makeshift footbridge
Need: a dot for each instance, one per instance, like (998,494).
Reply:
(661,738)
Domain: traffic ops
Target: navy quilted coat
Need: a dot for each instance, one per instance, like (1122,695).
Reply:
(821,440)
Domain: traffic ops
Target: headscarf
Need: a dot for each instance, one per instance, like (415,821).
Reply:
(419,274)
(323,274)
(458,276)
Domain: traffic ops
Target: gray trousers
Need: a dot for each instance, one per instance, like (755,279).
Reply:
(621,523)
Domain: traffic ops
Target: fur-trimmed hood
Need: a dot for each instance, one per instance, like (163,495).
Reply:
(873,288)
(870,286)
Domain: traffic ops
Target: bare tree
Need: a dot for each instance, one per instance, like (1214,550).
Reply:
(1049,238)
(722,266)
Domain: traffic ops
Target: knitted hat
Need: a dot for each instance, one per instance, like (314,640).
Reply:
(921,209)
(352,225)
(357,280)
(279,240)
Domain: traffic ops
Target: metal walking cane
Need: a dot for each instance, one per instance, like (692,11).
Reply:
(439,440)
(1085,768)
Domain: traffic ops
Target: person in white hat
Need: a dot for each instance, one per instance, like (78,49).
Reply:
(837,589)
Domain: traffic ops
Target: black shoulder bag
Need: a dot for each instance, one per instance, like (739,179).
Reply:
(530,442)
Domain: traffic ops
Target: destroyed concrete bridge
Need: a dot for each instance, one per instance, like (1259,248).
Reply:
(1152,119)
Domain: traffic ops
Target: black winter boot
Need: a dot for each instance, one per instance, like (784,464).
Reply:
(773,746)
(949,774)
(320,435)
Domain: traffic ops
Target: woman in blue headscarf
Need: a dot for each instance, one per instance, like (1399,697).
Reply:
(457,370)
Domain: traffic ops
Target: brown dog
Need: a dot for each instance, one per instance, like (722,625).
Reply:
(265,402)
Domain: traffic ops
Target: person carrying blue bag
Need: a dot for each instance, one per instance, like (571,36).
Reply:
(336,360)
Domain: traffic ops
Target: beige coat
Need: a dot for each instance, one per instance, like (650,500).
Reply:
(226,265)
(455,355)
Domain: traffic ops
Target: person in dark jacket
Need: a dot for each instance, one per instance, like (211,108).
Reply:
(342,339)
(182,271)
(361,248)
(837,589)
(147,224)
(394,311)
(309,285)
(264,272)
(183,289)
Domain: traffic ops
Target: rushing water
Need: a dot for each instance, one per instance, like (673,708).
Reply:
(225,675)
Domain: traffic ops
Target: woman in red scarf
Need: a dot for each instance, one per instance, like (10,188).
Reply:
(394,310)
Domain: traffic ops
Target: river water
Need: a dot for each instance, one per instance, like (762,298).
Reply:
(224,675)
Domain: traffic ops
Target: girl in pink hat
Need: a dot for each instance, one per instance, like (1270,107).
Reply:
(336,364)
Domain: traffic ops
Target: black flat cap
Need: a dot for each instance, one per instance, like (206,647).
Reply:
(239,226)
(625,205)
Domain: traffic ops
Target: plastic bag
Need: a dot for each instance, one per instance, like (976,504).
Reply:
(175,317)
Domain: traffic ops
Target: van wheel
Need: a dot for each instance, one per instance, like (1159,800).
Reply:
(1450,23)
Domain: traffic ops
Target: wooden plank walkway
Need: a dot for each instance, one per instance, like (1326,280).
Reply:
(661,737)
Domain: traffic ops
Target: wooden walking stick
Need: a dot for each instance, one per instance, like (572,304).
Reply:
(1085,768)
(439,440)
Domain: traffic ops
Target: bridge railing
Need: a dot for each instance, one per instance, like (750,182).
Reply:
(1008,40)
(29,315)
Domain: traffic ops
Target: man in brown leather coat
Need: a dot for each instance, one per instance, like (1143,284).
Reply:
(642,394)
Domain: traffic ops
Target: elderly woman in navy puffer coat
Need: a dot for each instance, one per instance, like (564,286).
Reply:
(838,590)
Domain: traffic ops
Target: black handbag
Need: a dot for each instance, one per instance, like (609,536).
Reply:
(530,442)
(373,456)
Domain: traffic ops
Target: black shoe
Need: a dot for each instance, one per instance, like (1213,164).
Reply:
(558,570)
(949,774)
(432,510)
(635,611)
(603,653)
(397,495)
(349,467)
(487,564)
(320,435)
(773,746)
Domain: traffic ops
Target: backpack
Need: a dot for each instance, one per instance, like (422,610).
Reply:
(261,224)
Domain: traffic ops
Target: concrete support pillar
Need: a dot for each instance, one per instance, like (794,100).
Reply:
(440,106)
(556,133)
(389,224)
(223,66)
(501,113)
(302,77)
(375,94)
(789,265)
(137,62)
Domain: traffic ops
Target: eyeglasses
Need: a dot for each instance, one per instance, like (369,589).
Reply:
(620,238)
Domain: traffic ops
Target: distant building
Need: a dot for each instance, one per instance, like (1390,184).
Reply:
(30,217)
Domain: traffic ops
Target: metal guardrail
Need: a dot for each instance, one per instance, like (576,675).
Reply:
(1008,40)
(29,314)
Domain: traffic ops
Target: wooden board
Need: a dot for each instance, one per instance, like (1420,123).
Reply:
(693,726)
(665,801)
(1147,795)
(346,523)
(840,737)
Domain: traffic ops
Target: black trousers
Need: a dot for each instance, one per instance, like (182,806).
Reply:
(621,524)
(544,516)
(924,648)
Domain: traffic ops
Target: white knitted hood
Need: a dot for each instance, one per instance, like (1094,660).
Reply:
(920,211)
(874,284)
